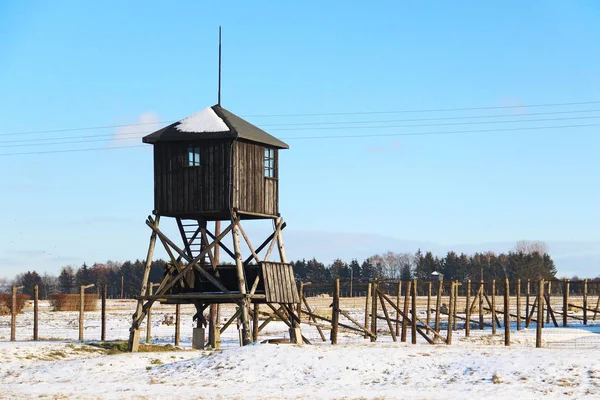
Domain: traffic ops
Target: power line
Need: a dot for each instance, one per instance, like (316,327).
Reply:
(86,138)
(343,137)
(70,151)
(315,114)
(426,110)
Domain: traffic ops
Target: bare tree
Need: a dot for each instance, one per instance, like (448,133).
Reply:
(531,246)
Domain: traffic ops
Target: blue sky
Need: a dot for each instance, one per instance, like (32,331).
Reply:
(70,64)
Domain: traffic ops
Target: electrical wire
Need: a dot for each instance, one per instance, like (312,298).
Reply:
(315,114)
(135,135)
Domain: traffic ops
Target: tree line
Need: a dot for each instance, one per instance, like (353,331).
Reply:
(529,260)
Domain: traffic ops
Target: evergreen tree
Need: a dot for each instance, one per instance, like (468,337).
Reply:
(66,280)
(29,280)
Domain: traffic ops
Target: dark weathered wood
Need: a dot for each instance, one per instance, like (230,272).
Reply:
(177,323)
(585,300)
(506,312)
(35,311)
(405,311)
(335,314)
(103,313)
(540,314)
(565,303)
(192,263)
(413,333)
(518,316)
(493,305)
(367,299)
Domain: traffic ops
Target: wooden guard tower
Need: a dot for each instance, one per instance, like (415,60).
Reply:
(215,166)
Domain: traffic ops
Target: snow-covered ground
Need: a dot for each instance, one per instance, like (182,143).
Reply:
(568,366)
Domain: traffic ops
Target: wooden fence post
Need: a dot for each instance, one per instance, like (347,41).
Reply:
(405,310)
(428,318)
(565,303)
(540,314)
(438,305)
(468,309)
(548,299)
(450,306)
(35,312)
(518,290)
(493,294)
(506,312)
(368,297)
(585,301)
(481,292)
(455,305)
(177,323)
(13,313)
(103,304)
(82,309)
(527,301)
(335,312)
(398,308)
(374,289)
(413,330)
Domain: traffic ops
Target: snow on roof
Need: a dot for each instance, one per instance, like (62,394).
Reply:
(205,120)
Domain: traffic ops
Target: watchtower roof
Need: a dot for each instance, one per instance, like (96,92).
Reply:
(213,123)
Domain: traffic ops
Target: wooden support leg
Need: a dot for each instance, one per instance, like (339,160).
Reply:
(138,316)
(468,310)
(255,321)
(245,303)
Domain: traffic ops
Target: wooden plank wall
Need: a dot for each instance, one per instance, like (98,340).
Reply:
(280,284)
(252,191)
(182,189)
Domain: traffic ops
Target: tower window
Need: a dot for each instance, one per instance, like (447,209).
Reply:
(193,156)
(270,163)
